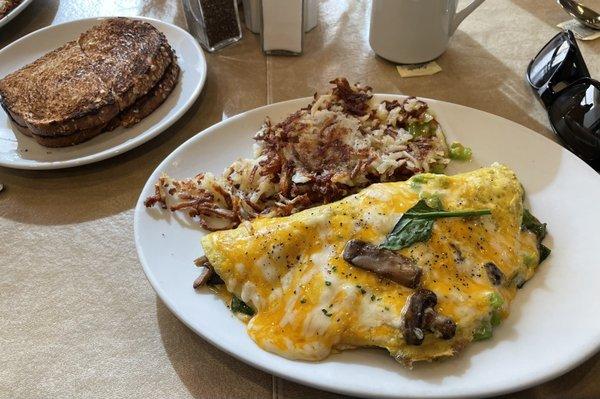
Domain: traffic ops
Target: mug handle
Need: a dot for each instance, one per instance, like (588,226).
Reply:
(464,13)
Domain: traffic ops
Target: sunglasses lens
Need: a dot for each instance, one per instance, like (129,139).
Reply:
(575,116)
(548,60)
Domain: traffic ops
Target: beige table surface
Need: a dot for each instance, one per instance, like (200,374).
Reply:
(77,316)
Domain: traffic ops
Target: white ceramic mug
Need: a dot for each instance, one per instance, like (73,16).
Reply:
(414,31)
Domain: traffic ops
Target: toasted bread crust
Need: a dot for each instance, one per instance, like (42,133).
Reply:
(128,65)
(146,104)
(143,107)
(58,86)
(86,83)
(65,141)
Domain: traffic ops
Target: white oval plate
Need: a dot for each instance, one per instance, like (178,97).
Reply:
(554,321)
(16,11)
(22,152)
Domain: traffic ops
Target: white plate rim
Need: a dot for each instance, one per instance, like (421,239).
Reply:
(143,136)
(16,11)
(139,208)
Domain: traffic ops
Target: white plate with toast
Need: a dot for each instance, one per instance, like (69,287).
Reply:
(14,12)
(22,152)
(551,329)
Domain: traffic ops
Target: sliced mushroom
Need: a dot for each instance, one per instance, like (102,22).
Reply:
(207,273)
(383,262)
(496,276)
(419,316)
(202,279)
(439,324)
(201,261)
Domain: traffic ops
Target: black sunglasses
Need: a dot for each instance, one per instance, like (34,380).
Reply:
(572,98)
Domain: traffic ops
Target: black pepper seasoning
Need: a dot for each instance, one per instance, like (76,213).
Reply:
(214,23)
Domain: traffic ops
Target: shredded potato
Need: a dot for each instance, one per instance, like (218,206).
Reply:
(341,142)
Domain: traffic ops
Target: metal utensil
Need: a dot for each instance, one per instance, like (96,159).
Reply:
(586,16)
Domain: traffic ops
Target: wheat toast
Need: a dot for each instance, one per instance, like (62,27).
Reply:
(143,107)
(86,83)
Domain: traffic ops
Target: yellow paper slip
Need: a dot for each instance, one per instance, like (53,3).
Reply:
(413,70)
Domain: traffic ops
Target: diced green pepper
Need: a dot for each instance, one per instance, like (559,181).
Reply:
(432,200)
(421,129)
(484,331)
(460,152)
(496,318)
(438,168)
(496,300)
(421,178)
(530,260)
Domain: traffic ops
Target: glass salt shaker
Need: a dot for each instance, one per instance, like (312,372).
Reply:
(252,15)
(282,26)
(214,23)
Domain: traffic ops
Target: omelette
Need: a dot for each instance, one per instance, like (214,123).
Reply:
(420,267)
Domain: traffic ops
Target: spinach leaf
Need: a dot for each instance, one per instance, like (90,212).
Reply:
(239,306)
(416,224)
(532,224)
(408,231)
(538,228)
(544,252)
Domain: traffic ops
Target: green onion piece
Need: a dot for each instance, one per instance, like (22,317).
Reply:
(450,214)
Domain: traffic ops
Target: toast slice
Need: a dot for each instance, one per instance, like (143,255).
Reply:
(146,104)
(86,83)
(142,107)
(59,93)
(129,55)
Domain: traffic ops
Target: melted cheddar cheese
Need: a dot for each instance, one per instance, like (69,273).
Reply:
(309,301)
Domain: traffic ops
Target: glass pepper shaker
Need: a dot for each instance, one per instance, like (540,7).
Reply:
(214,23)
